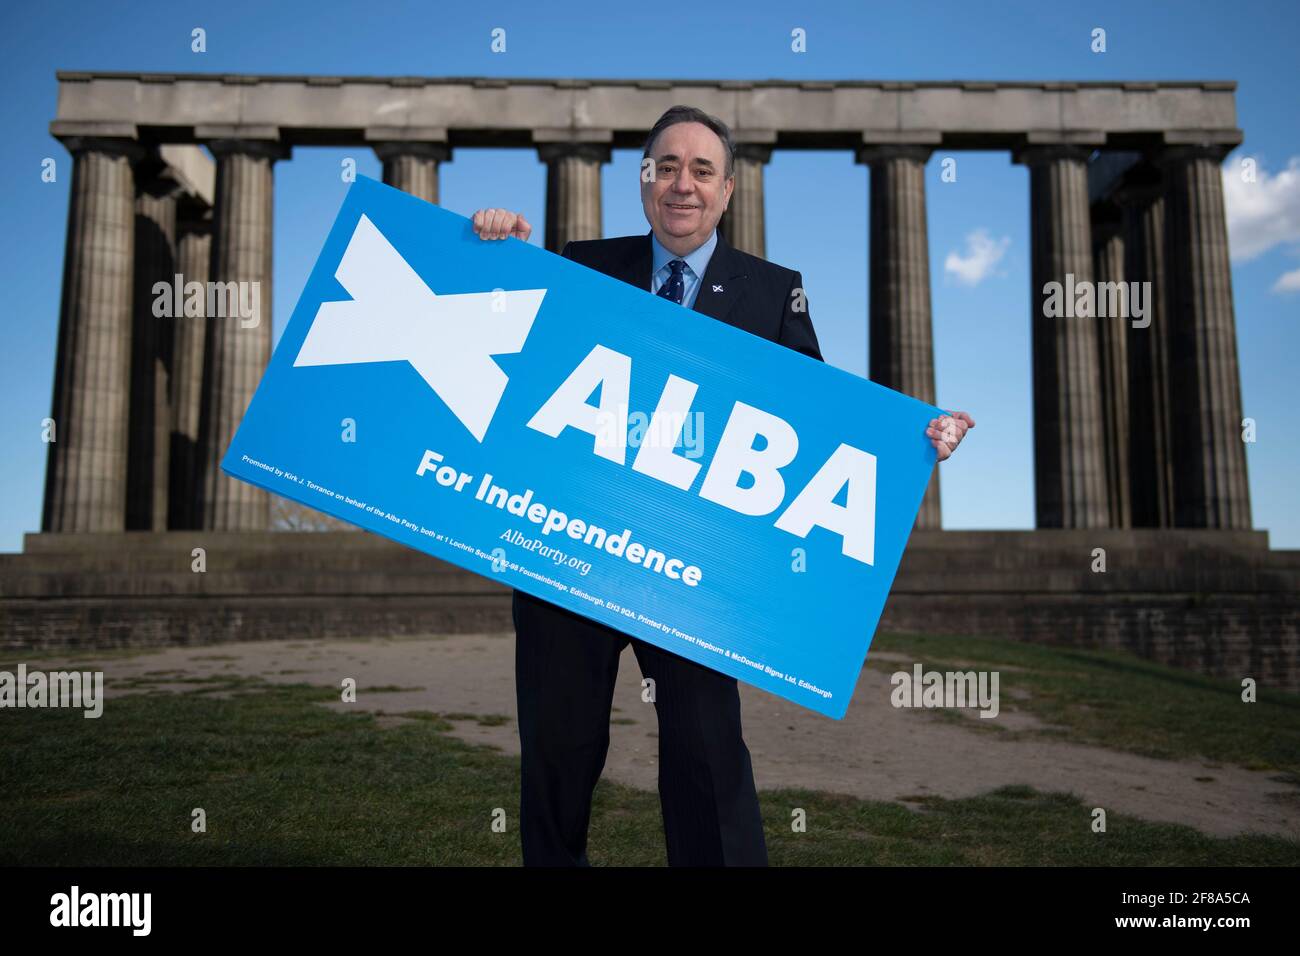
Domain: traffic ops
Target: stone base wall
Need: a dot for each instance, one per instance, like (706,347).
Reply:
(1217,602)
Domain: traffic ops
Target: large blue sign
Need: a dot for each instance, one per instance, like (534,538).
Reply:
(644,465)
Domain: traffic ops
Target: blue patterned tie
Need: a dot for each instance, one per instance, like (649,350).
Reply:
(676,285)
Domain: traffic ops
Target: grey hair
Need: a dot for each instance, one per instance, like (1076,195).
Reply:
(691,114)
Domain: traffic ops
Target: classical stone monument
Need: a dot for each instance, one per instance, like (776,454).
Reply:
(1124,187)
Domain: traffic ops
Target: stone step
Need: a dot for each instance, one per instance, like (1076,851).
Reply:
(1218,602)
(1226,636)
(165,562)
(1117,560)
(1155,540)
(423,566)
(451,580)
(353,553)
(313,582)
(345,563)
(158,622)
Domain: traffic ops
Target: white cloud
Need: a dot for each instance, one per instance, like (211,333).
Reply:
(983,252)
(1288,282)
(1264,213)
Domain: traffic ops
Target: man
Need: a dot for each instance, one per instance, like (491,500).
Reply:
(566,664)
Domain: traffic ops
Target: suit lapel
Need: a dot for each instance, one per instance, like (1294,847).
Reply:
(721,286)
(636,269)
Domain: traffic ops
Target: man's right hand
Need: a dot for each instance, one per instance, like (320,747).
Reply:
(501,224)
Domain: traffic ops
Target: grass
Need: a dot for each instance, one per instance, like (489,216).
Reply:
(285,782)
(1119,701)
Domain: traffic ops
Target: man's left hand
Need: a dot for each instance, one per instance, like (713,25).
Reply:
(946,432)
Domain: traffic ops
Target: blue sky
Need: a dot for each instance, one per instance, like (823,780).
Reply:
(816,202)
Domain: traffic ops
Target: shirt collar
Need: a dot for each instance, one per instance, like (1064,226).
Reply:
(697,260)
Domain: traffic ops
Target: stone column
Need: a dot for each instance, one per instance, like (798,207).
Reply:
(743,223)
(236,349)
(1112,347)
(85,475)
(1210,488)
(413,167)
(1069,457)
(1151,471)
(901,335)
(194,251)
(572,191)
(149,417)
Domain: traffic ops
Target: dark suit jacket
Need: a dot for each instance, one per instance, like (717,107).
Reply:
(757,295)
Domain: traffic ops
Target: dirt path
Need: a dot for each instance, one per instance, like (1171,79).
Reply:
(877,752)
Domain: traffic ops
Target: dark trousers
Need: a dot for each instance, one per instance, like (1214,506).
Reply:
(565,668)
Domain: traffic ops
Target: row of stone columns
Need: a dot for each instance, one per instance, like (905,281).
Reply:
(1174,447)
(1107,397)
(145,407)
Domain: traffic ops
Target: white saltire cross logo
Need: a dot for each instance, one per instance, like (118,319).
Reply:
(393,317)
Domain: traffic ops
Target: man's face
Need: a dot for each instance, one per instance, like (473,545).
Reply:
(688,193)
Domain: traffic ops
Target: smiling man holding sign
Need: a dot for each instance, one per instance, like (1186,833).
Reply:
(493,385)
(566,664)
